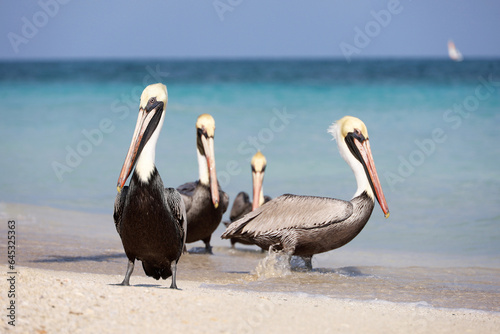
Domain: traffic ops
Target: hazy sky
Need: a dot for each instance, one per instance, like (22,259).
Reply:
(247,28)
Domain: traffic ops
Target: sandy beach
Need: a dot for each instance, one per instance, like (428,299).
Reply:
(67,302)
(66,275)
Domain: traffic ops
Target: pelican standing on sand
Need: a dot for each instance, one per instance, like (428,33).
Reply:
(150,219)
(205,202)
(242,204)
(307,225)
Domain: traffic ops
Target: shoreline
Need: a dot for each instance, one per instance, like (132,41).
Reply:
(65,256)
(51,222)
(50,301)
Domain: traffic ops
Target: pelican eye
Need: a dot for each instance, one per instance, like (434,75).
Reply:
(358,135)
(202,132)
(151,104)
(262,169)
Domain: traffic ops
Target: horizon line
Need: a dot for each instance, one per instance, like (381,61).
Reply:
(238,58)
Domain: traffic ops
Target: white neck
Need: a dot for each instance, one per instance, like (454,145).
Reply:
(203,168)
(361,178)
(356,166)
(261,196)
(146,161)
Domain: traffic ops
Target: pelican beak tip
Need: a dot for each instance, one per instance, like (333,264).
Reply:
(119,189)
(216,204)
(387,215)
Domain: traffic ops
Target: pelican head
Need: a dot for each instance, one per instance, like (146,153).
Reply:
(205,132)
(351,135)
(258,168)
(152,107)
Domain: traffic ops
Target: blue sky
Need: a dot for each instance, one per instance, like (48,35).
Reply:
(247,28)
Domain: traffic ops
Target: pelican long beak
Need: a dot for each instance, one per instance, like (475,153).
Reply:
(208,147)
(146,125)
(258,179)
(369,165)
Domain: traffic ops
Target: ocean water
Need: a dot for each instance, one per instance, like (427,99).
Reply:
(433,127)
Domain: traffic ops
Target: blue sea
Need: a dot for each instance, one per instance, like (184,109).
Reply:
(433,126)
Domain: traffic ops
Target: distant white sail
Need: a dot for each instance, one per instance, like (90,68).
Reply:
(453,52)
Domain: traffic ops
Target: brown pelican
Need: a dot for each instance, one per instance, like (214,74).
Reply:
(205,202)
(242,204)
(307,225)
(150,219)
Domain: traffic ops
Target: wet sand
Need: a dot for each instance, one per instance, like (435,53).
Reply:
(69,262)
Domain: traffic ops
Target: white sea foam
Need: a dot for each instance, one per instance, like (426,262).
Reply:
(275,264)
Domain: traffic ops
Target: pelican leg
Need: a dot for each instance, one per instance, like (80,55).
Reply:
(288,256)
(288,251)
(130,269)
(308,262)
(208,248)
(173,268)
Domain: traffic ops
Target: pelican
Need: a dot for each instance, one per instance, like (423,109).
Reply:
(205,202)
(242,204)
(307,225)
(150,219)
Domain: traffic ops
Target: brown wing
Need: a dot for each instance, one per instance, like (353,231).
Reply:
(187,191)
(119,204)
(241,206)
(290,212)
(176,205)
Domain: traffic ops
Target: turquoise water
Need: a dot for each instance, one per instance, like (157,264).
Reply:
(433,128)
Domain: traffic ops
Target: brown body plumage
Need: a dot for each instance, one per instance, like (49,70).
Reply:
(205,201)
(308,225)
(242,204)
(150,219)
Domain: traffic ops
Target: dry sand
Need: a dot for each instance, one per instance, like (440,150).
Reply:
(68,302)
